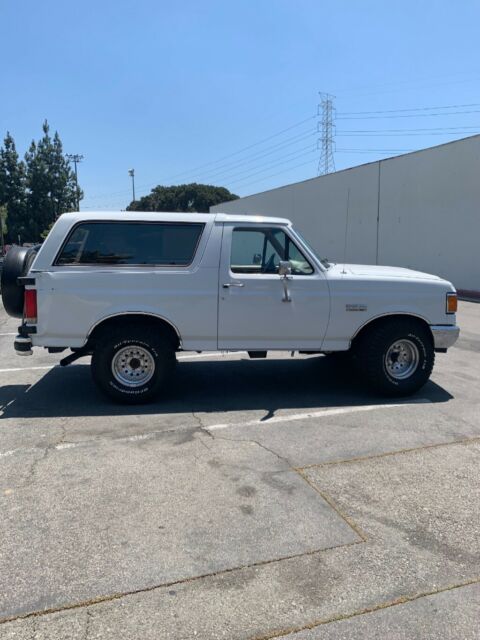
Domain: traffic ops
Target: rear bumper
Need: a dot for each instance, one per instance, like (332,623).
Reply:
(23,342)
(444,336)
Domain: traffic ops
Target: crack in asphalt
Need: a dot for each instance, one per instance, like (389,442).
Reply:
(281,633)
(251,441)
(88,623)
(214,574)
(387,454)
(30,477)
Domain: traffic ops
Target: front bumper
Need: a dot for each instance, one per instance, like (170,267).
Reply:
(444,336)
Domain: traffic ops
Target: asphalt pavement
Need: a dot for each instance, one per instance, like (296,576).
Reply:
(258,499)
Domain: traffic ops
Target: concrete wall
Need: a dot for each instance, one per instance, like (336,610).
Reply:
(419,210)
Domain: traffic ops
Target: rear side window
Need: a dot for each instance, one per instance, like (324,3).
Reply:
(134,243)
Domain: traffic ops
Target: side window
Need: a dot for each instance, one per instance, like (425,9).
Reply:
(260,250)
(131,243)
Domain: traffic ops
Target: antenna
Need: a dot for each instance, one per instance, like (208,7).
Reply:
(346,231)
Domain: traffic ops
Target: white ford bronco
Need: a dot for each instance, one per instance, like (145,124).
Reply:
(132,289)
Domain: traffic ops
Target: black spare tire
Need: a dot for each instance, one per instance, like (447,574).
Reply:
(16,263)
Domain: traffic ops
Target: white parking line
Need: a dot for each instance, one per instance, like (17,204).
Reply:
(323,413)
(151,435)
(27,368)
(9,334)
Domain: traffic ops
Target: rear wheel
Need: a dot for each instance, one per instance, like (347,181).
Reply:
(396,357)
(132,365)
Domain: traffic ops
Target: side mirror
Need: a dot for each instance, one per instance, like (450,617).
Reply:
(285,268)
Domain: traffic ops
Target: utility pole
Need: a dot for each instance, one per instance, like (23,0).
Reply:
(325,126)
(3,217)
(76,158)
(131,173)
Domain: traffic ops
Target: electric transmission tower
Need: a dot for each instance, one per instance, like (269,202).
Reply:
(325,126)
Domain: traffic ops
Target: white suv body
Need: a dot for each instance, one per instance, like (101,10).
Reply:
(220,282)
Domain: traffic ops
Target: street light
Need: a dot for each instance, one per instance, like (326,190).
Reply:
(131,173)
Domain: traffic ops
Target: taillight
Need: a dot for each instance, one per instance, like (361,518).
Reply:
(30,306)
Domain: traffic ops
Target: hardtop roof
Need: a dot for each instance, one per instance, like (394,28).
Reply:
(160,216)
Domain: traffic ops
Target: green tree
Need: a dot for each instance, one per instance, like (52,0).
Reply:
(182,197)
(12,190)
(50,181)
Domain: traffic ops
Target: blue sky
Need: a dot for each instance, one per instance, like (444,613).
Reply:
(173,89)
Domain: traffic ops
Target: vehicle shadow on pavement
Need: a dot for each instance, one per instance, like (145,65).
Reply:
(209,386)
(10,392)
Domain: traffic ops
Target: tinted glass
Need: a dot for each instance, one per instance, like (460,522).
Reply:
(131,243)
(262,250)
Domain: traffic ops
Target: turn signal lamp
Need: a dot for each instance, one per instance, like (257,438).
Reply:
(452,302)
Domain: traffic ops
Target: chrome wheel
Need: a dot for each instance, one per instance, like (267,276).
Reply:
(402,359)
(133,366)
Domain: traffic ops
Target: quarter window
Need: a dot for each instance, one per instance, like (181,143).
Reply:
(131,243)
(260,250)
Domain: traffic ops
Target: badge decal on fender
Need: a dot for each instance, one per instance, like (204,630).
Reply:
(356,307)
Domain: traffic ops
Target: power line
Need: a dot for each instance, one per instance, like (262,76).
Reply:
(275,164)
(459,129)
(213,162)
(277,174)
(218,170)
(251,167)
(391,135)
(450,106)
(255,144)
(230,165)
(370,151)
(373,150)
(411,115)
(265,152)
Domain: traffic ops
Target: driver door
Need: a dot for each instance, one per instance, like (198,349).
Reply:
(253,313)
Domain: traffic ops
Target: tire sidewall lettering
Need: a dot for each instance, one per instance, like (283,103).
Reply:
(420,367)
(125,343)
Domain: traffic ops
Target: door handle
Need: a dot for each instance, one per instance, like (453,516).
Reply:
(227,285)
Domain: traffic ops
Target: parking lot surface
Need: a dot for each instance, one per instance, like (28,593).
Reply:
(260,499)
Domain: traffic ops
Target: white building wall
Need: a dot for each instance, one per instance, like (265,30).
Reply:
(419,210)
(430,212)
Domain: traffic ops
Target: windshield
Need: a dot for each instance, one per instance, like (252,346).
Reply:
(324,261)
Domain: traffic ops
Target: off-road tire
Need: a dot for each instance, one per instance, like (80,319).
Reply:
(370,353)
(108,345)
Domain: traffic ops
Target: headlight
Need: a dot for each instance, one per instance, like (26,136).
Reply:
(452,303)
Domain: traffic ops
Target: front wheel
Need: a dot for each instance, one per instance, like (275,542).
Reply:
(396,358)
(132,365)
